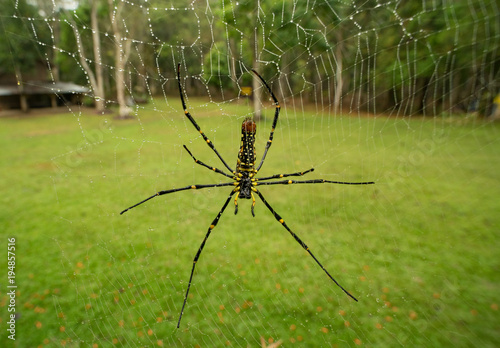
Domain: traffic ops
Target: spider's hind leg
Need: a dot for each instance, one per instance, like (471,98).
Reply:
(197,161)
(193,122)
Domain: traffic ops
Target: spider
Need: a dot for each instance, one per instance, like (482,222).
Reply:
(244,180)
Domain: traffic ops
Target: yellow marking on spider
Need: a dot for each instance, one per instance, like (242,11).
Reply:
(212,227)
(186,112)
(281,220)
(213,169)
(208,141)
(193,187)
(290,181)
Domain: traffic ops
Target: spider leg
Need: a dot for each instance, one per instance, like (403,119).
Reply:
(253,201)
(313,181)
(304,246)
(197,256)
(236,200)
(207,166)
(190,187)
(237,190)
(278,176)
(188,115)
(275,121)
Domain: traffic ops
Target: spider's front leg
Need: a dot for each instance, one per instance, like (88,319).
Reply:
(200,249)
(302,244)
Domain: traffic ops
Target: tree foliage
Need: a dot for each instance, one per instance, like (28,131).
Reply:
(407,57)
(19,52)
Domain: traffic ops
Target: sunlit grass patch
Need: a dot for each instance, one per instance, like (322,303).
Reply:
(418,248)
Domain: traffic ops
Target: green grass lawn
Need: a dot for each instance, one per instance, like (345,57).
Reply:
(419,249)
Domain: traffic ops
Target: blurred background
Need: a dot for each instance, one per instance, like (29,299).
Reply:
(403,93)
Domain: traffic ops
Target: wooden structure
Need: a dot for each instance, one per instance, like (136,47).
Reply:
(37,94)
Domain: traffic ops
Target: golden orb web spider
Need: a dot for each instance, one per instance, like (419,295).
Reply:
(244,181)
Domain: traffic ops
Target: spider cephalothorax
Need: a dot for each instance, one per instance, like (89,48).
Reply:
(244,180)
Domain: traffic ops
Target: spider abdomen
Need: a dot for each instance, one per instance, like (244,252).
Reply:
(246,155)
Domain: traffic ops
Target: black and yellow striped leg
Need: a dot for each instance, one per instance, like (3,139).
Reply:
(306,248)
(253,201)
(275,120)
(197,256)
(236,200)
(313,181)
(188,115)
(207,166)
(278,176)
(190,187)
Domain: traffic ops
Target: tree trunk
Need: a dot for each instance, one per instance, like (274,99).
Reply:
(256,84)
(122,49)
(96,78)
(100,102)
(284,73)
(55,70)
(339,81)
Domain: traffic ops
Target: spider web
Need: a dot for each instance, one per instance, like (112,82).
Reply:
(395,92)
